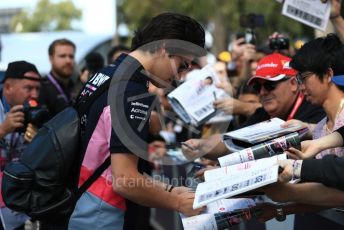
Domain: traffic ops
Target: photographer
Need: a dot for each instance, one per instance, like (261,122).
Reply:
(21,83)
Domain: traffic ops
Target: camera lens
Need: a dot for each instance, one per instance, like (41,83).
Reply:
(279,43)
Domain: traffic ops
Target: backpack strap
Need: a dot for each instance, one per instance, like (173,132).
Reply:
(83,104)
(93,177)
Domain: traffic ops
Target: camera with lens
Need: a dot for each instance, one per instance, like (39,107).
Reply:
(34,114)
(250,22)
(279,43)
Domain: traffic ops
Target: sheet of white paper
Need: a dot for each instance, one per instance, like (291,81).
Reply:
(201,75)
(196,97)
(235,170)
(313,13)
(201,105)
(225,187)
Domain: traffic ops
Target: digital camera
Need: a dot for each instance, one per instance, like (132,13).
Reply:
(279,43)
(34,114)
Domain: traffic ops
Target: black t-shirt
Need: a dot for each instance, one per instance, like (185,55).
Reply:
(129,103)
(329,171)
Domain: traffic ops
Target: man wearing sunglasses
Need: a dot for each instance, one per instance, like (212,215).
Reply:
(280,96)
(279,92)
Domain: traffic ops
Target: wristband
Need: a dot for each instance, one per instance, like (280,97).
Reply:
(295,166)
(172,187)
(280,214)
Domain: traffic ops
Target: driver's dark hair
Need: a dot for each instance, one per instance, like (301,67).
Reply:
(169,26)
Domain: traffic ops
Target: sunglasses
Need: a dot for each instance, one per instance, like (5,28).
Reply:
(301,77)
(184,66)
(268,85)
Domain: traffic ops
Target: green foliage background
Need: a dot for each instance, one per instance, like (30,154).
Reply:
(47,16)
(221,15)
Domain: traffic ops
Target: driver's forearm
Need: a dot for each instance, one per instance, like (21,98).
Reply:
(145,191)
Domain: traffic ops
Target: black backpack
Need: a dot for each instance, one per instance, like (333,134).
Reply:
(44,183)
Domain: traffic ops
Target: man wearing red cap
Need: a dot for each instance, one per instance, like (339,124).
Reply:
(279,92)
(280,96)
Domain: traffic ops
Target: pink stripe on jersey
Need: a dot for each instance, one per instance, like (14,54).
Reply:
(96,153)
(98,146)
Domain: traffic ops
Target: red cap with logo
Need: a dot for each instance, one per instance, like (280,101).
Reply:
(273,67)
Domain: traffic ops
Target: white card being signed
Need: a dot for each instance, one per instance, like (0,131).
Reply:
(313,13)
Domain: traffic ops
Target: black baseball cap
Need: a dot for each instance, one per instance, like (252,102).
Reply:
(22,70)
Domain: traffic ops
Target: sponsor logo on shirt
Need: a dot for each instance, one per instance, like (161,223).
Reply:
(97,80)
(138,110)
